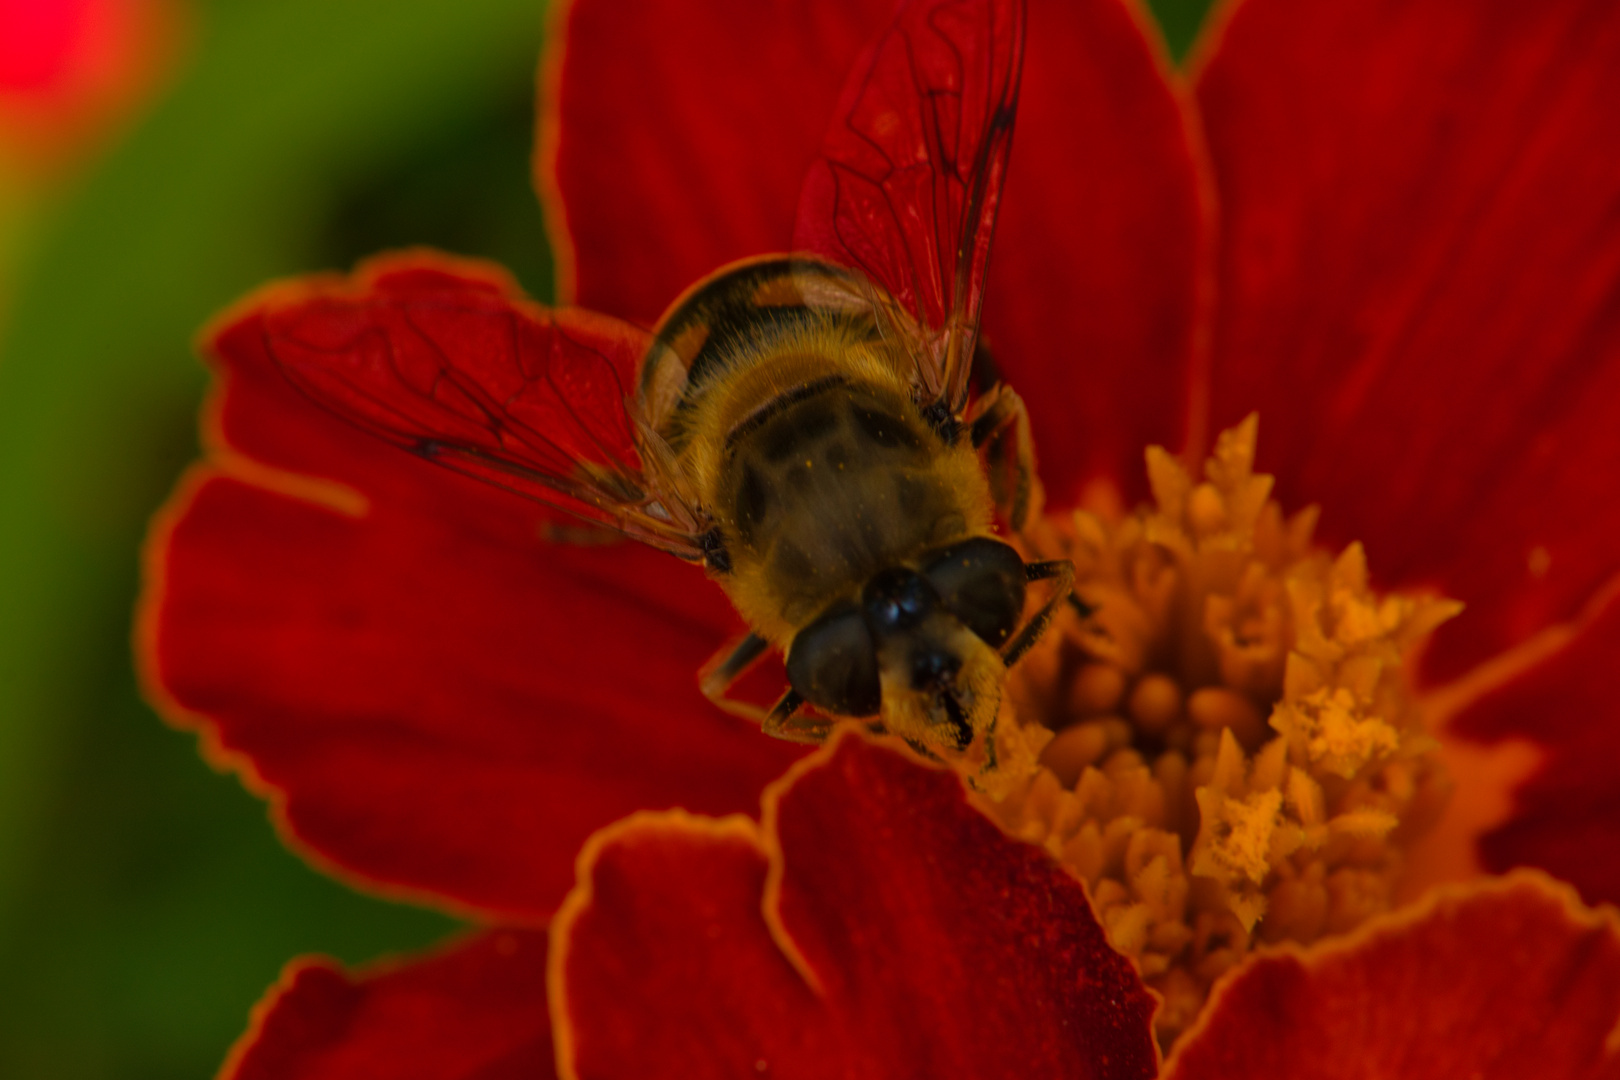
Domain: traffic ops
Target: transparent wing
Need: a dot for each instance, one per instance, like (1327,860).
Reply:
(448,361)
(911,170)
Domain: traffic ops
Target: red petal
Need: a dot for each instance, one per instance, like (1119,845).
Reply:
(910,174)
(1511,981)
(676,136)
(1567,817)
(902,935)
(474,1012)
(1093,294)
(439,699)
(1420,288)
(41,43)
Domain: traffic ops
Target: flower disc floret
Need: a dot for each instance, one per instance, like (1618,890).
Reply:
(1226,746)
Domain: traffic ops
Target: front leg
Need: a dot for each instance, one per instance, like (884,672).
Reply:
(998,426)
(785,722)
(1061,573)
(723,670)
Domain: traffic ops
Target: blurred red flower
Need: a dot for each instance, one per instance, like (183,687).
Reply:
(69,68)
(1393,230)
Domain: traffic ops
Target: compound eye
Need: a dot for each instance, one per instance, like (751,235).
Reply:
(982,582)
(833,663)
(897,599)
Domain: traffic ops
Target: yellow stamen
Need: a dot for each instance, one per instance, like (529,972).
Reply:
(1227,750)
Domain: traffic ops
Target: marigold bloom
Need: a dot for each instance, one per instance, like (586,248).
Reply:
(1391,233)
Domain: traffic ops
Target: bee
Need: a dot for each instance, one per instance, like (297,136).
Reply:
(853,518)
(799,424)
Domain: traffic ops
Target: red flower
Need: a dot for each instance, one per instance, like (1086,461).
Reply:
(1392,230)
(70,69)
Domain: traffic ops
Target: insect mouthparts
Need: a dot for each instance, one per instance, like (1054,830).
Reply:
(961,730)
(933,668)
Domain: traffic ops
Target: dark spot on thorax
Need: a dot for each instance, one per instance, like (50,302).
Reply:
(753,504)
(791,561)
(911,492)
(885,430)
(797,426)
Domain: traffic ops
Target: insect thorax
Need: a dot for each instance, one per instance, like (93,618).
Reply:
(829,481)
(785,387)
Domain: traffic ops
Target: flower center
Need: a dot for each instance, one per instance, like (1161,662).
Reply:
(1226,749)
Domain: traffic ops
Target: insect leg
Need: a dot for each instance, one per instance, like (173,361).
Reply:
(1059,571)
(781,722)
(986,372)
(990,414)
(999,426)
(725,668)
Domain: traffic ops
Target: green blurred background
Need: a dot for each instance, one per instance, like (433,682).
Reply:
(144,902)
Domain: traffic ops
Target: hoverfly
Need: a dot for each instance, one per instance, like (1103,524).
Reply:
(799,424)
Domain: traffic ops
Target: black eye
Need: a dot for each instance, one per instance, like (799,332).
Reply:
(897,599)
(982,582)
(833,663)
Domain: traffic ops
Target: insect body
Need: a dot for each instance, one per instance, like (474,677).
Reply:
(799,424)
(856,534)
